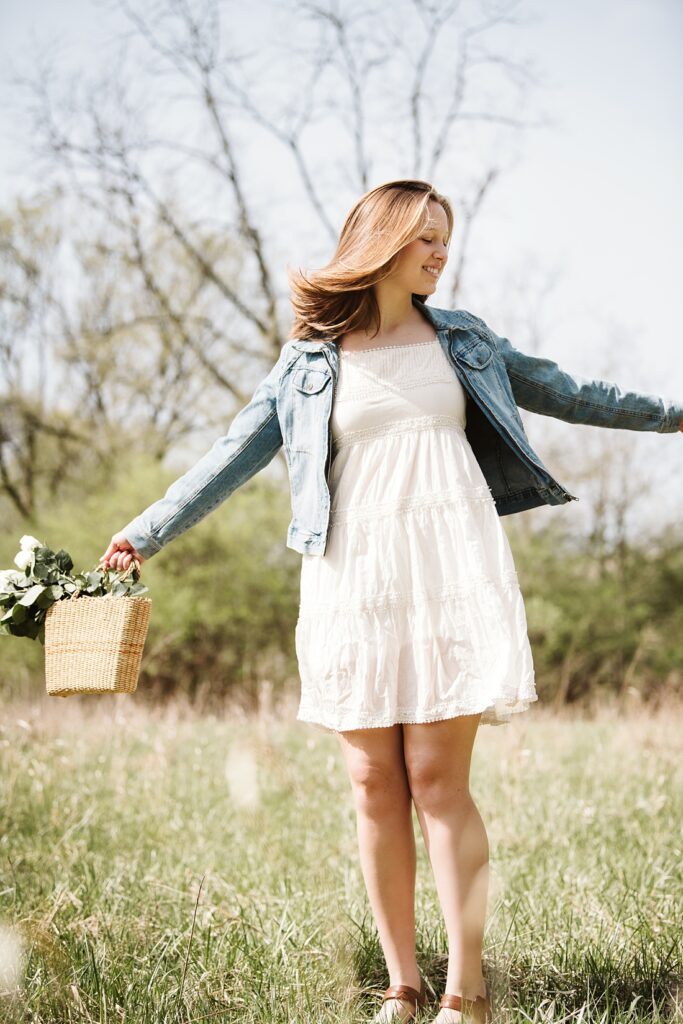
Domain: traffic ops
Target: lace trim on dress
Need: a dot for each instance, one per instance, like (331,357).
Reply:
(354,392)
(398,599)
(493,713)
(410,503)
(384,348)
(397,427)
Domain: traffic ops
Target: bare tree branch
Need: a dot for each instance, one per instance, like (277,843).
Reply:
(168,245)
(470,211)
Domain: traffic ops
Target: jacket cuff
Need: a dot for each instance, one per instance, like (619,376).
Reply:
(140,538)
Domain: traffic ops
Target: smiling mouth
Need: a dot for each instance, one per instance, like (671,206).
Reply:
(432,273)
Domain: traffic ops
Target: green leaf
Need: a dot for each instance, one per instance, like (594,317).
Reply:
(49,596)
(64,560)
(29,628)
(19,613)
(31,595)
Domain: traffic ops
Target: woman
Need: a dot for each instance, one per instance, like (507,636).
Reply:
(404,447)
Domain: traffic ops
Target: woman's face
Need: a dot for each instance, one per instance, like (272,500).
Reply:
(429,250)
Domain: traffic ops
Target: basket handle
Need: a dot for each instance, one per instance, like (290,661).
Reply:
(135,563)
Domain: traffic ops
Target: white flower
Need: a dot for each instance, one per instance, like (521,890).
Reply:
(25,558)
(9,576)
(28,543)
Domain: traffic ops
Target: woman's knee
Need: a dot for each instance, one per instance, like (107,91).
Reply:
(435,791)
(376,771)
(379,793)
(437,758)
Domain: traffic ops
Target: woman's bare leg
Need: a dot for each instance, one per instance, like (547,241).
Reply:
(386,841)
(437,757)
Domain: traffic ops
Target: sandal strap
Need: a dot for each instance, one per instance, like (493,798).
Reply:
(452,1002)
(406,992)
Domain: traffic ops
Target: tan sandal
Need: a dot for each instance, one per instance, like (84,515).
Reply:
(472,1011)
(407,994)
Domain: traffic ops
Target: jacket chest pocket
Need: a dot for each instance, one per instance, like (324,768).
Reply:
(485,371)
(308,409)
(476,357)
(491,381)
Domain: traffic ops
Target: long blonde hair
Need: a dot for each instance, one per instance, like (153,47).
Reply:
(339,297)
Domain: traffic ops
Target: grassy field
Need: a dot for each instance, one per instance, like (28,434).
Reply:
(162,866)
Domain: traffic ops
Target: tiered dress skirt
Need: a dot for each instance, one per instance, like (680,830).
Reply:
(414,613)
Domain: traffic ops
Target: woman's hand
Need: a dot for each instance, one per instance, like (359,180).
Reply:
(120,553)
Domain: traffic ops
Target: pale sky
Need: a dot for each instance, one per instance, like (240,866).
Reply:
(596,197)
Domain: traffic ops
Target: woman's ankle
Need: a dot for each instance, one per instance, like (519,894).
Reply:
(468,988)
(406,976)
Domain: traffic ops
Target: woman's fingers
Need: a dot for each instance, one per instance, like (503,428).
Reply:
(108,553)
(120,560)
(120,553)
(110,560)
(117,544)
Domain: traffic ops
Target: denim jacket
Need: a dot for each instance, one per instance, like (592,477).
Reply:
(291,407)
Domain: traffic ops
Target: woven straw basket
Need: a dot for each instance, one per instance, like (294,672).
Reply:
(94,644)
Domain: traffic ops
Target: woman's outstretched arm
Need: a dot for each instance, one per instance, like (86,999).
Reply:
(251,442)
(542,386)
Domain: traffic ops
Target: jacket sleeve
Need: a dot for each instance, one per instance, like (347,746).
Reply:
(542,386)
(252,441)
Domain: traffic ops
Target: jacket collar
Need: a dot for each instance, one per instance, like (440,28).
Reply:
(440,319)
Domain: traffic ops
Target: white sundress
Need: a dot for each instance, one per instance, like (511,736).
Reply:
(414,612)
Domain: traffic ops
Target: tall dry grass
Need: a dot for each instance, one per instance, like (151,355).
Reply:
(161,864)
